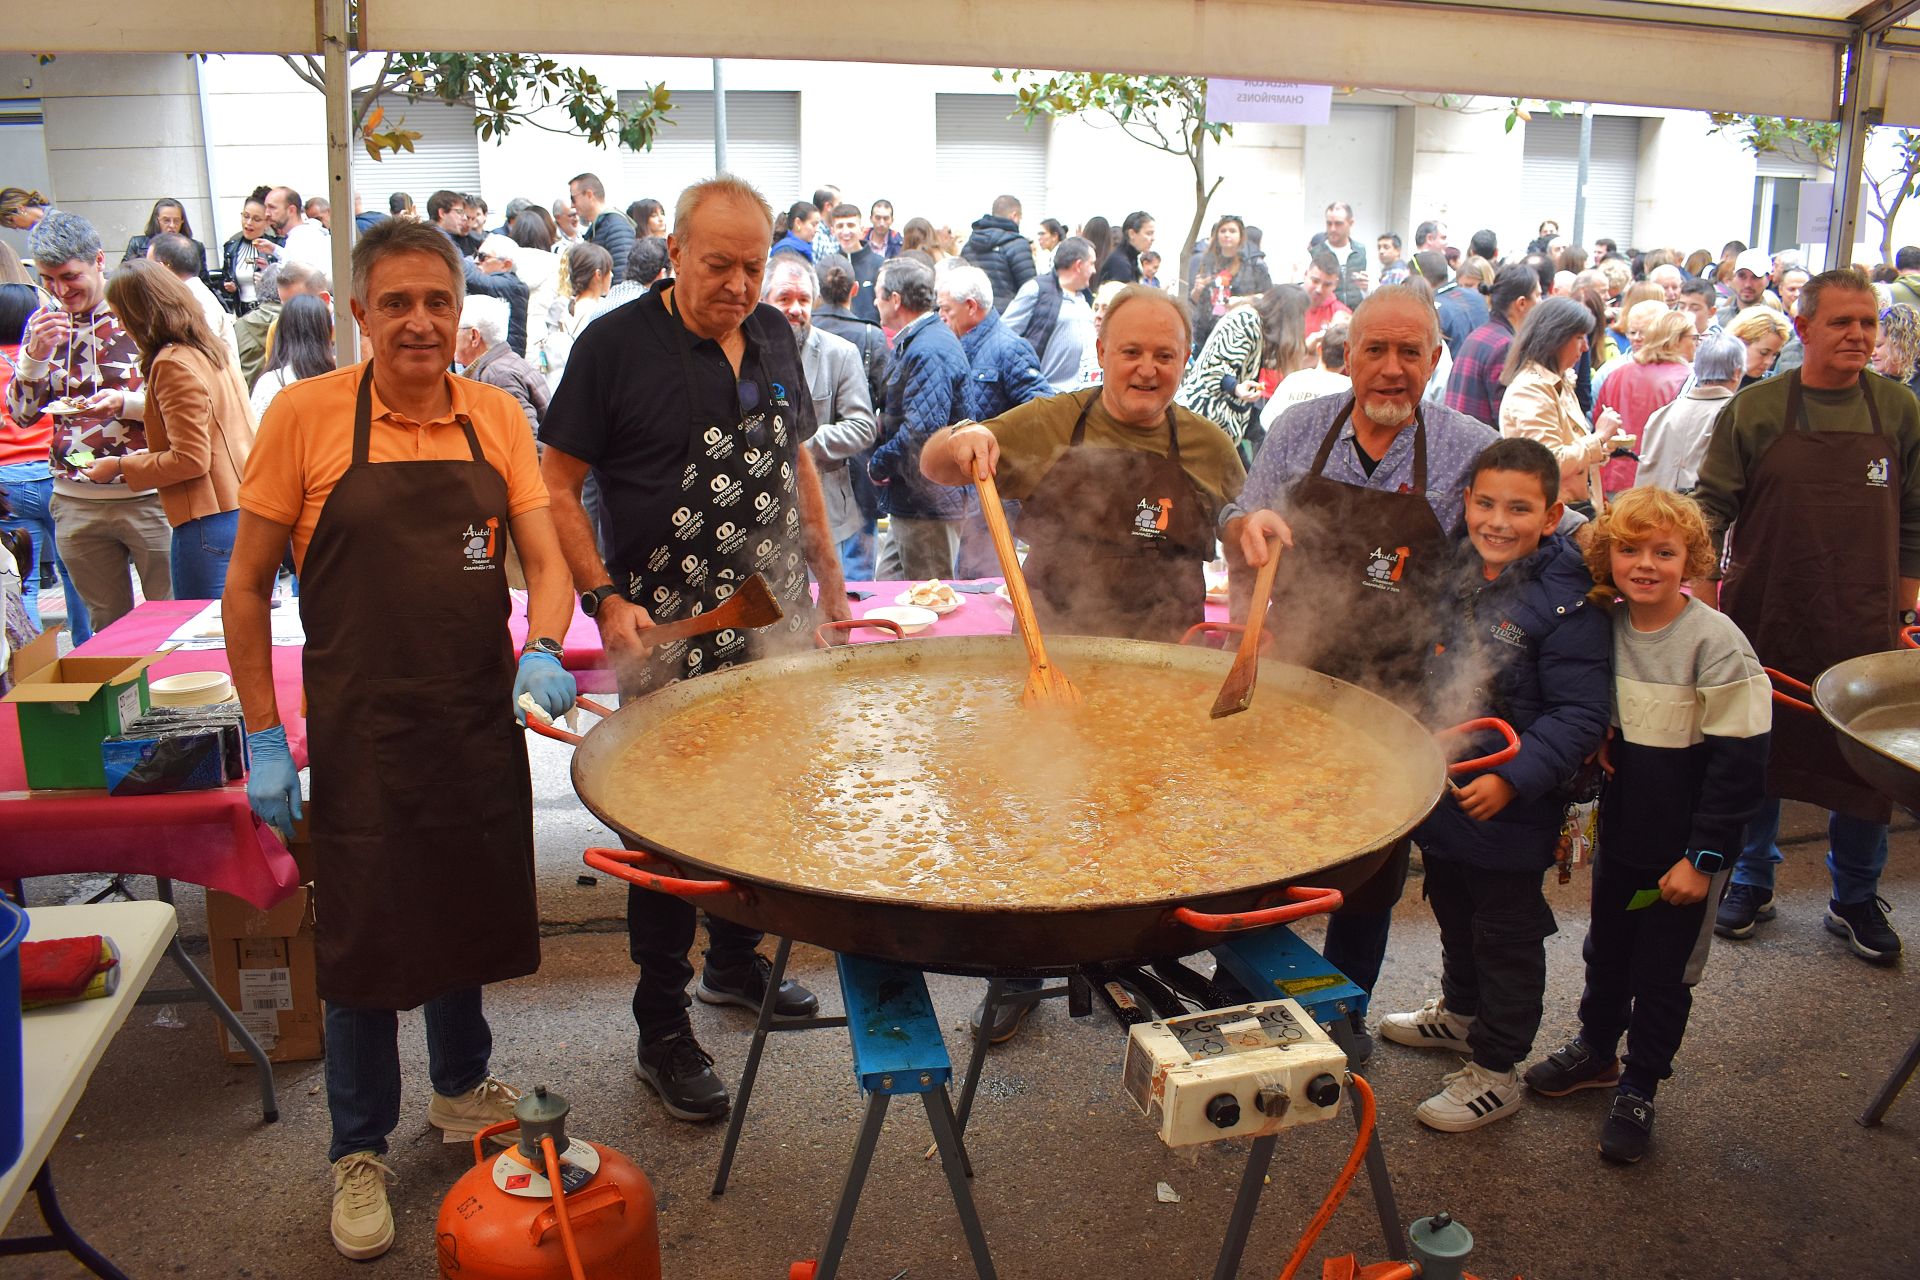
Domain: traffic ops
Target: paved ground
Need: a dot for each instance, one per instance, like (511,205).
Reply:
(1759,1172)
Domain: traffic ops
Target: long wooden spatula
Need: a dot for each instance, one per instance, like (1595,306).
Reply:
(1236,691)
(1045,685)
(751,606)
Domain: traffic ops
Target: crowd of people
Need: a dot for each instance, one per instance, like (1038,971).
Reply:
(1586,490)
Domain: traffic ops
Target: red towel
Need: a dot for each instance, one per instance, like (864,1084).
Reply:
(62,969)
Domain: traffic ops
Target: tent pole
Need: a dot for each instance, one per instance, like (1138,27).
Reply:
(719,119)
(1581,174)
(339,107)
(1850,154)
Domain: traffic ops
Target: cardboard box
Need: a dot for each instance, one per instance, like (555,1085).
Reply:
(68,707)
(263,967)
(33,655)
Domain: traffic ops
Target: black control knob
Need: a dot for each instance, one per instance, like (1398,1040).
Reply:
(1323,1091)
(1223,1109)
(1272,1101)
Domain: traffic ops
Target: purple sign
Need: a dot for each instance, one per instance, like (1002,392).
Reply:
(1268,102)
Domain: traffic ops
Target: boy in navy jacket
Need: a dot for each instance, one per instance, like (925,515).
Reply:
(1692,711)
(1524,644)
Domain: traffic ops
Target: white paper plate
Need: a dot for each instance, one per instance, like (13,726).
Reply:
(911,617)
(906,598)
(191,689)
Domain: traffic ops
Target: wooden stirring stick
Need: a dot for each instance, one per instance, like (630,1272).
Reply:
(1236,691)
(751,606)
(1045,684)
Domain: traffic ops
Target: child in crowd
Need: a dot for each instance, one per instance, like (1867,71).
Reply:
(1522,643)
(1691,715)
(1150,269)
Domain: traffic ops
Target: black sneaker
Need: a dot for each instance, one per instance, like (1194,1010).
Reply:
(681,1072)
(748,988)
(1572,1066)
(1865,927)
(1628,1129)
(1744,906)
(1007,1017)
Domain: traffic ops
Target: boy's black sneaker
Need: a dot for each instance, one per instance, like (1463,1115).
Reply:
(1628,1129)
(1744,906)
(1865,927)
(681,1072)
(1572,1066)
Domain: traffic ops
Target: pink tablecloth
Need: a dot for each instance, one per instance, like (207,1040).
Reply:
(983,614)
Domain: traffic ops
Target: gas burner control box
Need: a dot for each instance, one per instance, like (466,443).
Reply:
(1240,1072)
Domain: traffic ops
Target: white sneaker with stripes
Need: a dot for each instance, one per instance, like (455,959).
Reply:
(1473,1096)
(1431,1026)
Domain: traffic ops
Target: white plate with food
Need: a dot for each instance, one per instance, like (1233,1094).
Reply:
(912,619)
(67,407)
(932,594)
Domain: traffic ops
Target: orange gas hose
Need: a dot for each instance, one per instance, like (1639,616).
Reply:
(560,1209)
(1340,1184)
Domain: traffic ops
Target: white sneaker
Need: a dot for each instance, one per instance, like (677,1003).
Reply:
(489,1103)
(1431,1026)
(1473,1096)
(362,1220)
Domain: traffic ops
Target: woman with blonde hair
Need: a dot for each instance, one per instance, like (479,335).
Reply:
(199,425)
(1652,377)
(21,209)
(1539,403)
(1765,332)
(589,278)
(1896,353)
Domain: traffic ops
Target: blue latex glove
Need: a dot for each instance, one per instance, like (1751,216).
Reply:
(551,685)
(273,784)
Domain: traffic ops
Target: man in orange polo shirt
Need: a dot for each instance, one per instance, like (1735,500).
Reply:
(397,484)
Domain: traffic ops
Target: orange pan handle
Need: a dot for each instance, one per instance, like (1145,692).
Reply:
(1305,902)
(1200,630)
(1910,637)
(1499,757)
(558,734)
(631,866)
(848,624)
(1786,699)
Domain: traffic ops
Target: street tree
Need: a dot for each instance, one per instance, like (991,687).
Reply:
(1890,177)
(1167,113)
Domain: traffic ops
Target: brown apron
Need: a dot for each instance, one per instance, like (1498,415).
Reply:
(1356,597)
(1117,539)
(1813,578)
(422,806)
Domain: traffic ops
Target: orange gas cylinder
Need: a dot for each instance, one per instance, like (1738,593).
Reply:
(503,1219)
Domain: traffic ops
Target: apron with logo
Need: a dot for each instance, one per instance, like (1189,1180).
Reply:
(422,808)
(737,514)
(1813,578)
(1356,597)
(1117,539)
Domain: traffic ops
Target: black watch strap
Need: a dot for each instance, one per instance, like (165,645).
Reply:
(590,601)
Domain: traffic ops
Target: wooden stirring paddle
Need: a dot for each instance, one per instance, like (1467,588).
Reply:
(1045,684)
(751,606)
(1236,691)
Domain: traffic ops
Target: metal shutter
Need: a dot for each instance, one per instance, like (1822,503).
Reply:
(763,146)
(979,153)
(446,155)
(1552,164)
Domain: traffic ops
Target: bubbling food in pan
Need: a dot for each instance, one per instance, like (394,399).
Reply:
(940,786)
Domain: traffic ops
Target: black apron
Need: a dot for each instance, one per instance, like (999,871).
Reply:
(1813,578)
(1116,539)
(738,515)
(1357,596)
(422,807)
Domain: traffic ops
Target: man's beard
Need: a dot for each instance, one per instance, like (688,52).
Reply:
(1388,413)
(801,332)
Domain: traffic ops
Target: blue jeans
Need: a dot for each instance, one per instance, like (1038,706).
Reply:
(31,497)
(1856,854)
(201,550)
(363,1065)
(857,554)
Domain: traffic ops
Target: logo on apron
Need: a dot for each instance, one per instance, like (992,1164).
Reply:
(780,395)
(1384,568)
(687,522)
(1150,518)
(730,536)
(719,442)
(1877,473)
(477,545)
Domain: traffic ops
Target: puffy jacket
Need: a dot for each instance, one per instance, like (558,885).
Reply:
(612,232)
(1530,648)
(997,249)
(510,289)
(1005,372)
(926,390)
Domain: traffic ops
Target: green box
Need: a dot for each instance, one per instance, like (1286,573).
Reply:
(66,708)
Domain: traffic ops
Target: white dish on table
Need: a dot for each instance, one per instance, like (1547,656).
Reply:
(191,689)
(910,618)
(934,595)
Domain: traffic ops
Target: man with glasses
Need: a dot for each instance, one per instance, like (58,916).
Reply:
(690,405)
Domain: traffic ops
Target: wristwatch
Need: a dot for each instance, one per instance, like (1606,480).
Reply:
(590,600)
(542,644)
(1706,861)
(1909,618)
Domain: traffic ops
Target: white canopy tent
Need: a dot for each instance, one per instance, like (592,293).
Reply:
(1810,59)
